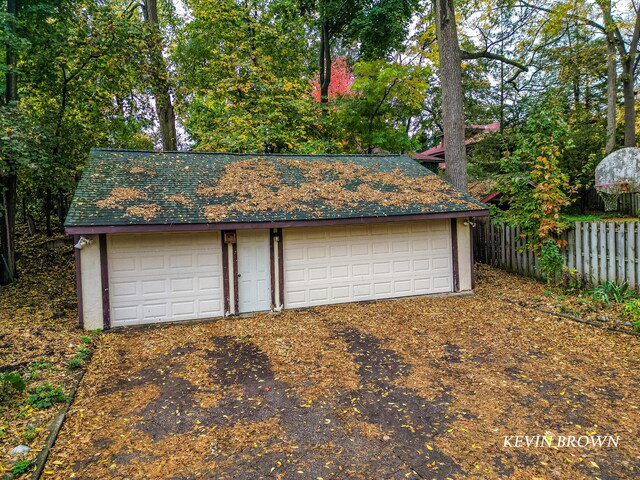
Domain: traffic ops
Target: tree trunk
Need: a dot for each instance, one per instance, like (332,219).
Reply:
(325,63)
(628,93)
(8,181)
(61,209)
(7,232)
(628,86)
(612,95)
(48,206)
(160,79)
(452,99)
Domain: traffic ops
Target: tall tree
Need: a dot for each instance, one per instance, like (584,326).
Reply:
(376,27)
(8,178)
(613,28)
(159,76)
(452,97)
(612,80)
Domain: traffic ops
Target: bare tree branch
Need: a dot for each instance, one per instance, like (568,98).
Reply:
(493,56)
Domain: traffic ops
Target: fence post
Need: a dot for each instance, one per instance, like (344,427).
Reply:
(586,257)
(571,248)
(631,255)
(611,257)
(579,263)
(621,253)
(603,251)
(594,253)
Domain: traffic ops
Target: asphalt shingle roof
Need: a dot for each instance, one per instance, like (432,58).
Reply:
(125,187)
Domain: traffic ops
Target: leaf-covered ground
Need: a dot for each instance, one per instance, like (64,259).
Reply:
(413,388)
(38,337)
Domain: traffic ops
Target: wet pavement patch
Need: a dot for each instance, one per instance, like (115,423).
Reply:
(324,438)
(409,420)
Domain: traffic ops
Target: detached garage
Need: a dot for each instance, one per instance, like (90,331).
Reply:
(166,237)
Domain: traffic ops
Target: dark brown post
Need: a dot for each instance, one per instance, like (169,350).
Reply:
(78,256)
(225,273)
(472,248)
(104,270)
(236,299)
(281,266)
(454,253)
(272,265)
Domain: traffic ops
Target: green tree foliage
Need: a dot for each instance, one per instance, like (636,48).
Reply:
(79,80)
(244,82)
(386,97)
(533,180)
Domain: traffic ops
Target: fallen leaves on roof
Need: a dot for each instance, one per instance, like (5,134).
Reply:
(119,195)
(177,198)
(146,211)
(256,185)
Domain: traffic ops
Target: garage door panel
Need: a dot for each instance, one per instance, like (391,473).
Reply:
(378,248)
(338,271)
(402,266)
(441,263)
(402,286)
(127,264)
(123,289)
(165,277)
(442,283)
(362,290)
(341,293)
(422,265)
(359,249)
(423,285)
(317,273)
(319,294)
(366,262)
(336,251)
(124,313)
(209,284)
(382,288)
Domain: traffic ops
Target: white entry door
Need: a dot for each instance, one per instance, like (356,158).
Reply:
(254,273)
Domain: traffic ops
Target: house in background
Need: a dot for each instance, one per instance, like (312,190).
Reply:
(182,236)
(434,158)
(485,191)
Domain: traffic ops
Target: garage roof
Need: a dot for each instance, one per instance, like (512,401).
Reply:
(127,187)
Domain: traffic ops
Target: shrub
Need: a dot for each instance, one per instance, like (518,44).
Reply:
(10,383)
(82,353)
(611,291)
(45,396)
(75,363)
(22,466)
(632,309)
(550,259)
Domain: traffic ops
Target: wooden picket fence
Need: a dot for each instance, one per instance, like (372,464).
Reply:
(598,251)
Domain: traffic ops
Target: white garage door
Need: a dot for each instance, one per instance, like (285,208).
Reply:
(164,277)
(366,262)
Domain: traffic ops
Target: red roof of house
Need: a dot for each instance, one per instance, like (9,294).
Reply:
(437,153)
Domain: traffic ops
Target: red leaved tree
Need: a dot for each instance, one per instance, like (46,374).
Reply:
(341,80)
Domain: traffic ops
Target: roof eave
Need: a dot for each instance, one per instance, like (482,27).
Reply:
(194,227)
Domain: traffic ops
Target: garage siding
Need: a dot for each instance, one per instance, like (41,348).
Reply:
(366,262)
(165,277)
